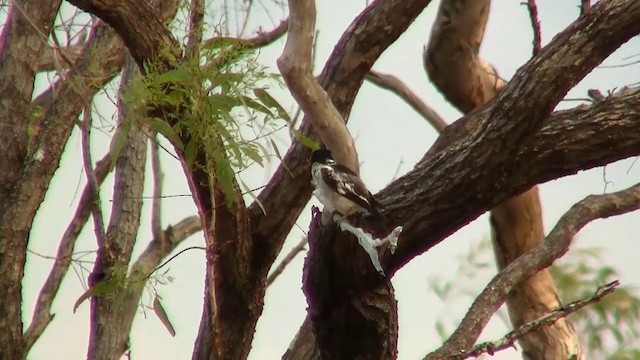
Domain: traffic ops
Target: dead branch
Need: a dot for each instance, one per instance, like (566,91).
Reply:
(555,245)
(92,181)
(508,341)
(396,86)
(42,313)
(535,25)
(296,67)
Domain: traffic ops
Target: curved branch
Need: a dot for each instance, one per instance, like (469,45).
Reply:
(296,65)
(396,86)
(555,245)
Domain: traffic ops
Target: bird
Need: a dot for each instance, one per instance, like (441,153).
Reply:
(339,188)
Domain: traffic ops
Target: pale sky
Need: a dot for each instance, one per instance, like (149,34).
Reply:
(389,135)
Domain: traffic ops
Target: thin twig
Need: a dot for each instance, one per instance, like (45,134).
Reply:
(508,341)
(277,271)
(535,24)
(173,257)
(96,211)
(396,86)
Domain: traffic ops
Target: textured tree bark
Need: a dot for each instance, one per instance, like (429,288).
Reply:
(454,65)
(469,166)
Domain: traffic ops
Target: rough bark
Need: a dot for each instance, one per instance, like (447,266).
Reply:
(474,159)
(20,48)
(453,63)
(108,339)
(355,54)
(555,245)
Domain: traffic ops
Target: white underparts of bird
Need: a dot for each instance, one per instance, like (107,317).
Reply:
(341,190)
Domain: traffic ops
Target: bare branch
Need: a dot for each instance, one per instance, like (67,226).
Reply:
(396,86)
(286,261)
(162,246)
(157,178)
(555,245)
(296,67)
(92,181)
(509,340)
(263,38)
(535,25)
(112,316)
(42,313)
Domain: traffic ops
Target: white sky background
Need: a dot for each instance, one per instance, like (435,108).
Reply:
(388,135)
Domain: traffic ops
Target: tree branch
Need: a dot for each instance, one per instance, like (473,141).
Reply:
(509,340)
(535,25)
(277,271)
(396,86)
(92,181)
(296,67)
(555,245)
(42,313)
(111,316)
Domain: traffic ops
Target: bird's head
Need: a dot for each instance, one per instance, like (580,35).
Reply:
(322,156)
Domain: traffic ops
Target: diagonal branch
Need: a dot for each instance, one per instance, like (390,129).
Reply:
(509,340)
(296,67)
(42,315)
(555,245)
(396,86)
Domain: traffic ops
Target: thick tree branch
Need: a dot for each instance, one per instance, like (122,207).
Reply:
(296,66)
(572,140)
(555,245)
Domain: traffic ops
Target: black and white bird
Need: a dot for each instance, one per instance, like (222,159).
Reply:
(340,189)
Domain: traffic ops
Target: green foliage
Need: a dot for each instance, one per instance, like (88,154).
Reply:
(219,106)
(608,329)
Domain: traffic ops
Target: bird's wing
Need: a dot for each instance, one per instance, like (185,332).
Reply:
(350,186)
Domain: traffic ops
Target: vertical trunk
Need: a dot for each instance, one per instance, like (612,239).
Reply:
(21,46)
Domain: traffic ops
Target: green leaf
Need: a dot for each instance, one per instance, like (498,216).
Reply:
(270,102)
(253,154)
(248,191)
(162,127)
(305,140)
